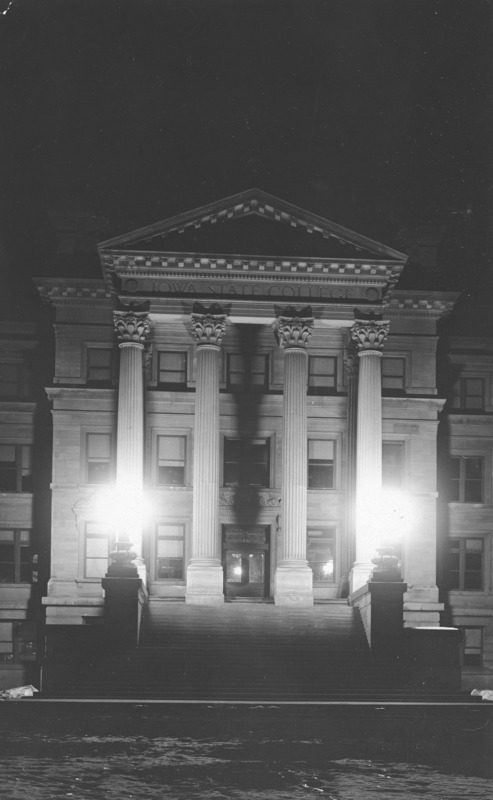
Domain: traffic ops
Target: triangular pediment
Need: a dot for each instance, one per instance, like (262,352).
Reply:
(252,223)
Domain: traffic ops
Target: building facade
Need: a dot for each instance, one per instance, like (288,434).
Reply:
(247,402)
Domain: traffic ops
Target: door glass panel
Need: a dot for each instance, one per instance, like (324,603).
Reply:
(235,570)
(256,567)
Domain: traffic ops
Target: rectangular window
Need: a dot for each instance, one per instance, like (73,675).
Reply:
(321,555)
(247,372)
(99,365)
(465,565)
(468,394)
(96,551)
(465,479)
(9,381)
(171,453)
(98,455)
(15,468)
(14,381)
(392,465)
(473,647)
(322,375)
(170,552)
(393,374)
(246,462)
(15,556)
(172,370)
(6,642)
(320,464)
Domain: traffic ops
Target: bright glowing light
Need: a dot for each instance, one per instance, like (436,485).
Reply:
(237,570)
(382,518)
(123,509)
(394,516)
(328,568)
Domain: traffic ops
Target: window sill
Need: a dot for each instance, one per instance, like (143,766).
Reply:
(171,487)
(13,585)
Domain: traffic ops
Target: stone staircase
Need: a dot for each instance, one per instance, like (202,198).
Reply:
(236,652)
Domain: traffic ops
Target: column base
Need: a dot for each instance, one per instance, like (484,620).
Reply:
(294,585)
(359,576)
(205,583)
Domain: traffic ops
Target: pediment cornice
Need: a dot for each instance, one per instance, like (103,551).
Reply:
(254,202)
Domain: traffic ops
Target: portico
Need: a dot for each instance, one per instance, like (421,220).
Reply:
(258,455)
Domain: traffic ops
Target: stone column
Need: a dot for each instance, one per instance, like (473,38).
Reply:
(294,578)
(368,337)
(204,572)
(132,329)
(348,544)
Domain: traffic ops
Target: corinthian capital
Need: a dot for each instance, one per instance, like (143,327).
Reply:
(293,331)
(209,328)
(132,326)
(369,334)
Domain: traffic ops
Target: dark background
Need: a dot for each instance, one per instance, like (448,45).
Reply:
(374,113)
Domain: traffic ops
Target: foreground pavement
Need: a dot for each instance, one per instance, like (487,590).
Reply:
(346,750)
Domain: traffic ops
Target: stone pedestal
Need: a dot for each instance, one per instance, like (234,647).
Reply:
(293,577)
(432,659)
(123,603)
(368,337)
(205,573)
(386,617)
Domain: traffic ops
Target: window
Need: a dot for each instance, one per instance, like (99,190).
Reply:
(473,647)
(320,464)
(96,551)
(15,468)
(14,383)
(15,556)
(172,370)
(6,642)
(246,462)
(468,394)
(322,375)
(249,372)
(98,452)
(465,565)
(99,365)
(320,555)
(170,563)
(392,465)
(393,374)
(465,479)
(171,451)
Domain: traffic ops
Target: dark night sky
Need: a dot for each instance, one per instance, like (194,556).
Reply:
(374,113)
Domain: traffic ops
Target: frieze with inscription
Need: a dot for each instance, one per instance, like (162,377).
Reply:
(278,290)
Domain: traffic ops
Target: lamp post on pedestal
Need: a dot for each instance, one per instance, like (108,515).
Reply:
(386,585)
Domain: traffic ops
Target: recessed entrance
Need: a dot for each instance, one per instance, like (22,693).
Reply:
(246,562)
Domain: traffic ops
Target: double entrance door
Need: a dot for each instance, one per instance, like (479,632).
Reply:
(246,562)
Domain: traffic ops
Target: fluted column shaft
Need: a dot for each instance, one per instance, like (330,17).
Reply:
(294,579)
(130,430)
(294,461)
(369,337)
(132,330)
(205,573)
(348,543)
(205,542)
